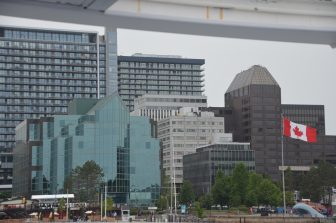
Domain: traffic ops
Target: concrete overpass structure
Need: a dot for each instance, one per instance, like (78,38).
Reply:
(302,21)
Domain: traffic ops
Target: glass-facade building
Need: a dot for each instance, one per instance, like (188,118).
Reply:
(144,163)
(42,70)
(102,131)
(154,74)
(200,168)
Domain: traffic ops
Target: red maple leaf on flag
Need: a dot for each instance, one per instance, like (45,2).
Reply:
(297,131)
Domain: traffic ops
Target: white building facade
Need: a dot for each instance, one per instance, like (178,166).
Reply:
(182,134)
(159,107)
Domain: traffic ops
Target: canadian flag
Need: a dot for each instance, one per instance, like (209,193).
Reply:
(298,131)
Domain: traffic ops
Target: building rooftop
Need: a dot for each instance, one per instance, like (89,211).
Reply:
(256,75)
(150,58)
(102,102)
(229,145)
(155,55)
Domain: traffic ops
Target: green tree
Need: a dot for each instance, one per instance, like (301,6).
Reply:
(220,191)
(5,195)
(187,195)
(61,206)
(85,181)
(240,178)
(162,203)
(109,204)
(67,186)
(327,179)
(290,184)
(199,210)
(289,198)
(206,201)
(165,189)
(164,200)
(235,199)
(251,194)
(318,182)
(311,185)
(268,193)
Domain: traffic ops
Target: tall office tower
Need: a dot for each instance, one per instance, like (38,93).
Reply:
(158,107)
(255,99)
(182,134)
(42,70)
(153,74)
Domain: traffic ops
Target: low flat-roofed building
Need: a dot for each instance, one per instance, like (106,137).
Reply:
(200,168)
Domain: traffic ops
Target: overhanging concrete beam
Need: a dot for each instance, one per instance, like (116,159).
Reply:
(239,24)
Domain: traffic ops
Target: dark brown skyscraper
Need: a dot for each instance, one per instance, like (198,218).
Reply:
(255,99)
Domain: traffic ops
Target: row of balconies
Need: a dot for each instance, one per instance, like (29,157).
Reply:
(151,87)
(32,85)
(63,102)
(52,49)
(8,60)
(58,41)
(43,70)
(157,72)
(89,77)
(147,78)
(43,54)
(157,67)
(158,92)
(19,95)
(21,89)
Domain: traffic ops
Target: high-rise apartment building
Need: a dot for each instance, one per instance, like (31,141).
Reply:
(42,70)
(153,74)
(161,106)
(182,134)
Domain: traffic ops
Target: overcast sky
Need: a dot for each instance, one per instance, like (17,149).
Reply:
(306,73)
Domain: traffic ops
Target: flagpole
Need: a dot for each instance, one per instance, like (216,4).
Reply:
(67,207)
(283,167)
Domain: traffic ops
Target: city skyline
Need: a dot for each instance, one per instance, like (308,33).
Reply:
(304,71)
(281,65)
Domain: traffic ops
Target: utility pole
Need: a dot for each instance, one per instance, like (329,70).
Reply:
(101,204)
(105,201)
(67,206)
